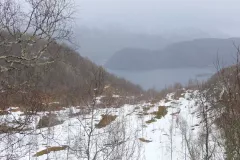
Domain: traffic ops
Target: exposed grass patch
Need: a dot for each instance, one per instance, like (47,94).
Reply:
(4,128)
(144,140)
(155,100)
(145,113)
(106,120)
(50,149)
(16,109)
(142,113)
(167,100)
(82,111)
(136,108)
(145,109)
(108,100)
(2,112)
(151,121)
(49,121)
(162,111)
(178,94)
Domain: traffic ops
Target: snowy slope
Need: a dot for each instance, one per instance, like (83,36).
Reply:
(165,137)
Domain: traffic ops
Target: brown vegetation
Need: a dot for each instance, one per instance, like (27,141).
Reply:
(151,121)
(144,140)
(50,149)
(106,120)
(49,120)
(162,111)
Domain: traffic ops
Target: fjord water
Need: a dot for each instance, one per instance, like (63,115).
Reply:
(161,78)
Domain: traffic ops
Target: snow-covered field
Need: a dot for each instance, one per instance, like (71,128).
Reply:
(161,139)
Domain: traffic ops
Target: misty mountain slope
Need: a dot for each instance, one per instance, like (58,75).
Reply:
(68,79)
(195,53)
(100,45)
(133,58)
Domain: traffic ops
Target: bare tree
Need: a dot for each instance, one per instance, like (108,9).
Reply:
(190,144)
(110,138)
(206,134)
(27,30)
(226,100)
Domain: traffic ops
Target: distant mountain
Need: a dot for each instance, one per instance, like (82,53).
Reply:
(195,53)
(99,45)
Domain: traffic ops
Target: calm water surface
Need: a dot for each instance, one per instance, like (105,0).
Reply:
(161,78)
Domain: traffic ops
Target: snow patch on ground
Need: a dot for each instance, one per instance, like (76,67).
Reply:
(165,135)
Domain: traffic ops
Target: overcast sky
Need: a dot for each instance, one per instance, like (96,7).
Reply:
(155,16)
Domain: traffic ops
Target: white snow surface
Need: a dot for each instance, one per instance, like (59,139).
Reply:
(163,145)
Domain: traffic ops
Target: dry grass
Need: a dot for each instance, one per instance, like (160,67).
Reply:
(3,112)
(162,111)
(145,113)
(136,108)
(142,113)
(106,120)
(144,140)
(151,121)
(155,100)
(15,109)
(4,128)
(178,94)
(145,109)
(49,120)
(50,149)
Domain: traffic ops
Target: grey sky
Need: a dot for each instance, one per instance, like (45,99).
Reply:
(155,16)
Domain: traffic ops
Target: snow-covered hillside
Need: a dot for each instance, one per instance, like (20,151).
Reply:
(134,132)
